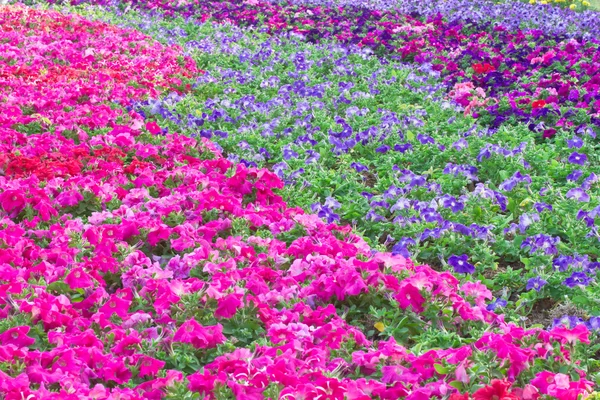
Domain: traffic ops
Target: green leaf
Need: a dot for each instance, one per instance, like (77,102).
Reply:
(440,369)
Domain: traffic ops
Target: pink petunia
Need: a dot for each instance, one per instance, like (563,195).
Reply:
(410,296)
(153,128)
(78,278)
(150,366)
(69,198)
(578,334)
(228,305)
(199,336)
(12,200)
(116,305)
(17,336)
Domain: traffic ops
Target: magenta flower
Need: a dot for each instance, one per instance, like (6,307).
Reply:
(228,306)
(116,305)
(150,366)
(12,200)
(78,279)
(17,336)
(410,296)
(69,198)
(199,336)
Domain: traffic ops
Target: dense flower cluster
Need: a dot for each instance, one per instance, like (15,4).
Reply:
(520,77)
(140,263)
(417,178)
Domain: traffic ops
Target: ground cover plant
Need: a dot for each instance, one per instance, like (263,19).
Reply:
(360,140)
(526,75)
(148,252)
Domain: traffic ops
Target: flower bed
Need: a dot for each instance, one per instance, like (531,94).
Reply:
(138,263)
(367,145)
(499,74)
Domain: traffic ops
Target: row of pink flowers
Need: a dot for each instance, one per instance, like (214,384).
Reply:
(120,251)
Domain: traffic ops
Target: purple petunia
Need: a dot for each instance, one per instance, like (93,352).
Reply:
(575,175)
(575,142)
(542,206)
(578,194)
(536,283)
(577,158)
(383,149)
(525,220)
(499,303)
(562,262)
(452,203)
(401,247)
(461,264)
(544,243)
(403,148)
(313,156)
(460,144)
(359,167)
(577,279)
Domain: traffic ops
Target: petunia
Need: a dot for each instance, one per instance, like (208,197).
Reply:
(69,198)
(17,336)
(577,279)
(359,167)
(227,306)
(496,304)
(575,175)
(409,296)
(496,390)
(199,336)
(12,200)
(150,366)
(153,128)
(78,278)
(577,158)
(538,104)
(580,333)
(461,264)
(578,194)
(576,141)
(116,305)
(536,283)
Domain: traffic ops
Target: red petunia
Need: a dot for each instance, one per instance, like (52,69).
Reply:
(483,68)
(538,104)
(497,390)
(458,396)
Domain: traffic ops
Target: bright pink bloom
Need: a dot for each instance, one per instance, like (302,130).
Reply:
(116,305)
(78,278)
(201,337)
(17,336)
(410,296)
(12,200)
(202,383)
(69,198)
(228,305)
(578,334)
(150,366)
(153,128)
